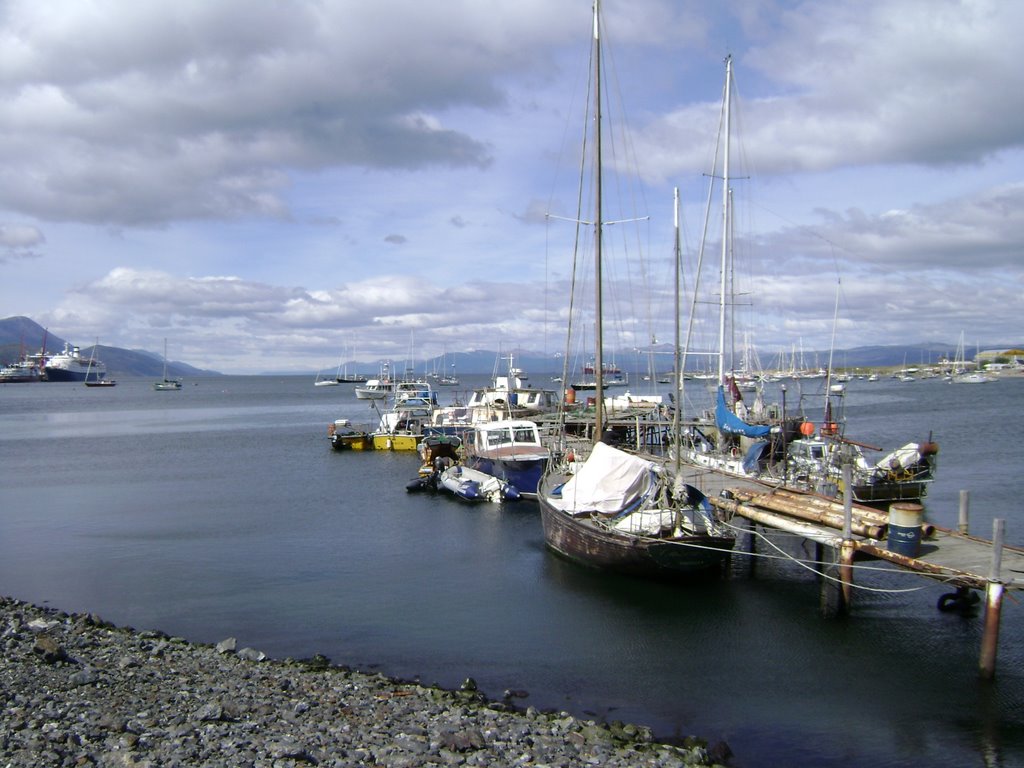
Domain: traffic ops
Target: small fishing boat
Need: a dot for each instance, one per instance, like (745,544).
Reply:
(437,452)
(345,437)
(379,388)
(403,426)
(510,450)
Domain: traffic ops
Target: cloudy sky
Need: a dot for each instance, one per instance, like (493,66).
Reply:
(273,185)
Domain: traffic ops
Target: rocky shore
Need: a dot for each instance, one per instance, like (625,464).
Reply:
(77,691)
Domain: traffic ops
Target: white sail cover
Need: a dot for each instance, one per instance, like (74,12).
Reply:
(609,481)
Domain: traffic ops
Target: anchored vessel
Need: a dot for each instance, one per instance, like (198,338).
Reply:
(69,365)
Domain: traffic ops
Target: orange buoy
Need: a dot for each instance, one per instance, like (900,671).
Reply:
(806,429)
(570,396)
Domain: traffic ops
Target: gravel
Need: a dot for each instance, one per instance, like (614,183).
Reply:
(78,691)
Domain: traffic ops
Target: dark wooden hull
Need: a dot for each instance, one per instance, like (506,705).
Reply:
(579,540)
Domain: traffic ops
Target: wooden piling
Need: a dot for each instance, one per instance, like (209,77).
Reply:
(965,505)
(993,604)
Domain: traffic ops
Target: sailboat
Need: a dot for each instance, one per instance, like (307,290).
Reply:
(960,374)
(318,382)
(165,384)
(98,380)
(765,444)
(618,510)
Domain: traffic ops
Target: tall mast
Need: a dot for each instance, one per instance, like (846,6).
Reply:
(679,362)
(725,226)
(598,331)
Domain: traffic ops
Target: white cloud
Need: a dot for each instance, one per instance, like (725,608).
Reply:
(266,179)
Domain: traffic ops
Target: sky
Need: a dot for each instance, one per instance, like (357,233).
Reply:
(281,185)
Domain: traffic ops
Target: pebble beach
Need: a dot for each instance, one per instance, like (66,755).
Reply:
(78,691)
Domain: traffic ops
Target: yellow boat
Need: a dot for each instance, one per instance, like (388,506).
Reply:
(344,437)
(401,427)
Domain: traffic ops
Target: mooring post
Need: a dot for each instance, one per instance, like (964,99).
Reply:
(965,506)
(993,604)
(834,589)
(847,550)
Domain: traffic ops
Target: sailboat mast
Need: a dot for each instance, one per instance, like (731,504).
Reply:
(725,225)
(598,331)
(679,361)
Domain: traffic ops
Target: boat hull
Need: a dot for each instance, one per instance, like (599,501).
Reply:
(72,374)
(361,442)
(524,474)
(396,442)
(677,558)
(473,485)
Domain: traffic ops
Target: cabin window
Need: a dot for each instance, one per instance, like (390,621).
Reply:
(500,437)
(524,435)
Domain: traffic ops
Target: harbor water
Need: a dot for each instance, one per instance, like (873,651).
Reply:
(221,511)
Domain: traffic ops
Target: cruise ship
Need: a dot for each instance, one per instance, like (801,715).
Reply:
(69,365)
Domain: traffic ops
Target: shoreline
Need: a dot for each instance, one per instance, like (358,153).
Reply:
(80,691)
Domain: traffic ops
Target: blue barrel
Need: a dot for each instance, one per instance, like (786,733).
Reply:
(905,521)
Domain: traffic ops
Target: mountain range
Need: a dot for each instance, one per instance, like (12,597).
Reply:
(19,335)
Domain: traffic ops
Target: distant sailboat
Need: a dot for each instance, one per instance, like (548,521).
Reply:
(96,381)
(960,374)
(166,385)
(318,382)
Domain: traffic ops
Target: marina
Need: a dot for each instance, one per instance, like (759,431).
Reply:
(184,523)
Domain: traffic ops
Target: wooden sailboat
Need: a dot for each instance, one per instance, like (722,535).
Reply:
(165,384)
(617,510)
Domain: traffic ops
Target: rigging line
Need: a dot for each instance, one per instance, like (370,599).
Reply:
(783,555)
(808,230)
(633,191)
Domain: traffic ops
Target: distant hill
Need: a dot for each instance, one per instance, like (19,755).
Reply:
(20,334)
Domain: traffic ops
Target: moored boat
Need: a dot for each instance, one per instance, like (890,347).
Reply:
(166,384)
(511,450)
(621,512)
(378,388)
(617,510)
(345,437)
(508,397)
(473,485)
(403,426)
(21,372)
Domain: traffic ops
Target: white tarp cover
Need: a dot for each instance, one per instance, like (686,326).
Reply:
(608,481)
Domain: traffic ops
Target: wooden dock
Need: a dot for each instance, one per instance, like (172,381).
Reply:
(845,532)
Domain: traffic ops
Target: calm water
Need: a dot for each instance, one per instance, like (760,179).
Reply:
(221,511)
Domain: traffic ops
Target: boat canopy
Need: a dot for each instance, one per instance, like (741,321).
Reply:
(609,481)
(731,424)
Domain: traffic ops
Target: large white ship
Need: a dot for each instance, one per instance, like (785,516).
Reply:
(69,365)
